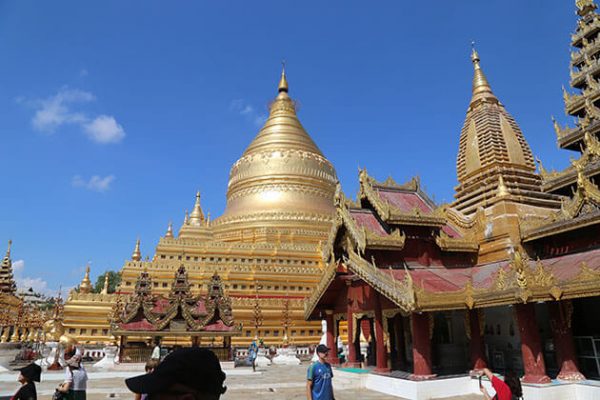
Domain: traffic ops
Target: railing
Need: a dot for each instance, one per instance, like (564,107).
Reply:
(136,354)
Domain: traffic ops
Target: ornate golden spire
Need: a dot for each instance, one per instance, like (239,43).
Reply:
(169,233)
(8,249)
(481,86)
(86,285)
(105,287)
(186,219)
(197,216)
(137,254)
(283,85)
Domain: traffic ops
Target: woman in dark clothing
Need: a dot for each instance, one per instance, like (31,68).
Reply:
(29,374)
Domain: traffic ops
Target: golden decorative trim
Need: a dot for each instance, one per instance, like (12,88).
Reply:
(447,243)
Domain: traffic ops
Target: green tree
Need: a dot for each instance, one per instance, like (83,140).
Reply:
(114,278)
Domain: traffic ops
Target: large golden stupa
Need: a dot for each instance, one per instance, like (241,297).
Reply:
(266,246)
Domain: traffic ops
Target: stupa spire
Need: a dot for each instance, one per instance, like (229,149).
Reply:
(137,254)
(283,84)
(481,86)
(169,233)
(7,283)
(86,285)
(197,216)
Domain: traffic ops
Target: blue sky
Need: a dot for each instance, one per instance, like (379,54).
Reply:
(113,113)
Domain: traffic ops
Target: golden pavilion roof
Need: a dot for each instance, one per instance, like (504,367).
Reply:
(7,282)
(86,284)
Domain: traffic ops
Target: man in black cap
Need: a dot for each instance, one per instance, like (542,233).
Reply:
(319,375)
(185,374)
(29,374)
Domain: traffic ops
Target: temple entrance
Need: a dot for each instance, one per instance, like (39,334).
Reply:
(397,326)
(502,340)
(586,334)
(449,343)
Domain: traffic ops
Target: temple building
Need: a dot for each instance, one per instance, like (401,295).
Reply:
(507,276)
(266,247)
(10,302)
(180,315)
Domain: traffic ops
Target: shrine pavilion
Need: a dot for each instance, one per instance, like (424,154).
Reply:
(507,276)
(180,317)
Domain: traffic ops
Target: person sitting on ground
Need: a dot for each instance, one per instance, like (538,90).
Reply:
(28,375)
(150,366)
(75,383)
(319,375)
(509,389)
(188,373)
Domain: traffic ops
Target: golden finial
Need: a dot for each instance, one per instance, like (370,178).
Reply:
(169,233)
(197,216)
(7,256)
(186,219)
(105,288)
(502,189)
(481,86)
(86,285)
(283,85)
(137,254)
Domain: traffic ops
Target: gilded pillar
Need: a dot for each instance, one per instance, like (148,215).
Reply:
(560,322)
(476,345)
(381,364)
(15,336)
(332,358)
(421,346)
(531,347)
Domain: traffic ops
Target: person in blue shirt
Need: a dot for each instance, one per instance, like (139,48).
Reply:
(319,385)
(252,354)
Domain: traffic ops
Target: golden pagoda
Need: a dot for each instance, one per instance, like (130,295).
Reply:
(266,247)
(496,173)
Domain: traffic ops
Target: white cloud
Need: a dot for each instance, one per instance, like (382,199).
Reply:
(55,111)
(18,266)
(38,285)
(104,129)
(95,183)
(241,107)
(58,110)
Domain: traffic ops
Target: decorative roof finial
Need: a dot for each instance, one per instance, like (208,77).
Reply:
(283,85)
(186,219)
(502,189)
(481,86)
(584,7)
(197,216)
(86,285)
(105,288)
(8,249)
(137,254)
(169,233)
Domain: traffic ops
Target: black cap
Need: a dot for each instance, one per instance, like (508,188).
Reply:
(322,348)
(31,372)
(197,368)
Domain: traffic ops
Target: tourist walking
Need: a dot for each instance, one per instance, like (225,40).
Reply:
(252,354)
(76,378)
(507,389)
(319,377)
(27,376)
(156,350)
(190,372)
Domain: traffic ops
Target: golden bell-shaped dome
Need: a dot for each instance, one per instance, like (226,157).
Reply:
(282,180)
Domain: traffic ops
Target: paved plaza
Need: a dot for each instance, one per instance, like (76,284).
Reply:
(275,382)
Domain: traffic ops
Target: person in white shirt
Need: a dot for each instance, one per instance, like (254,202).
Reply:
(156,351)
(75,379)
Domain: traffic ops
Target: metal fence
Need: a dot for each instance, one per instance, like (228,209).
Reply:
(136,354)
